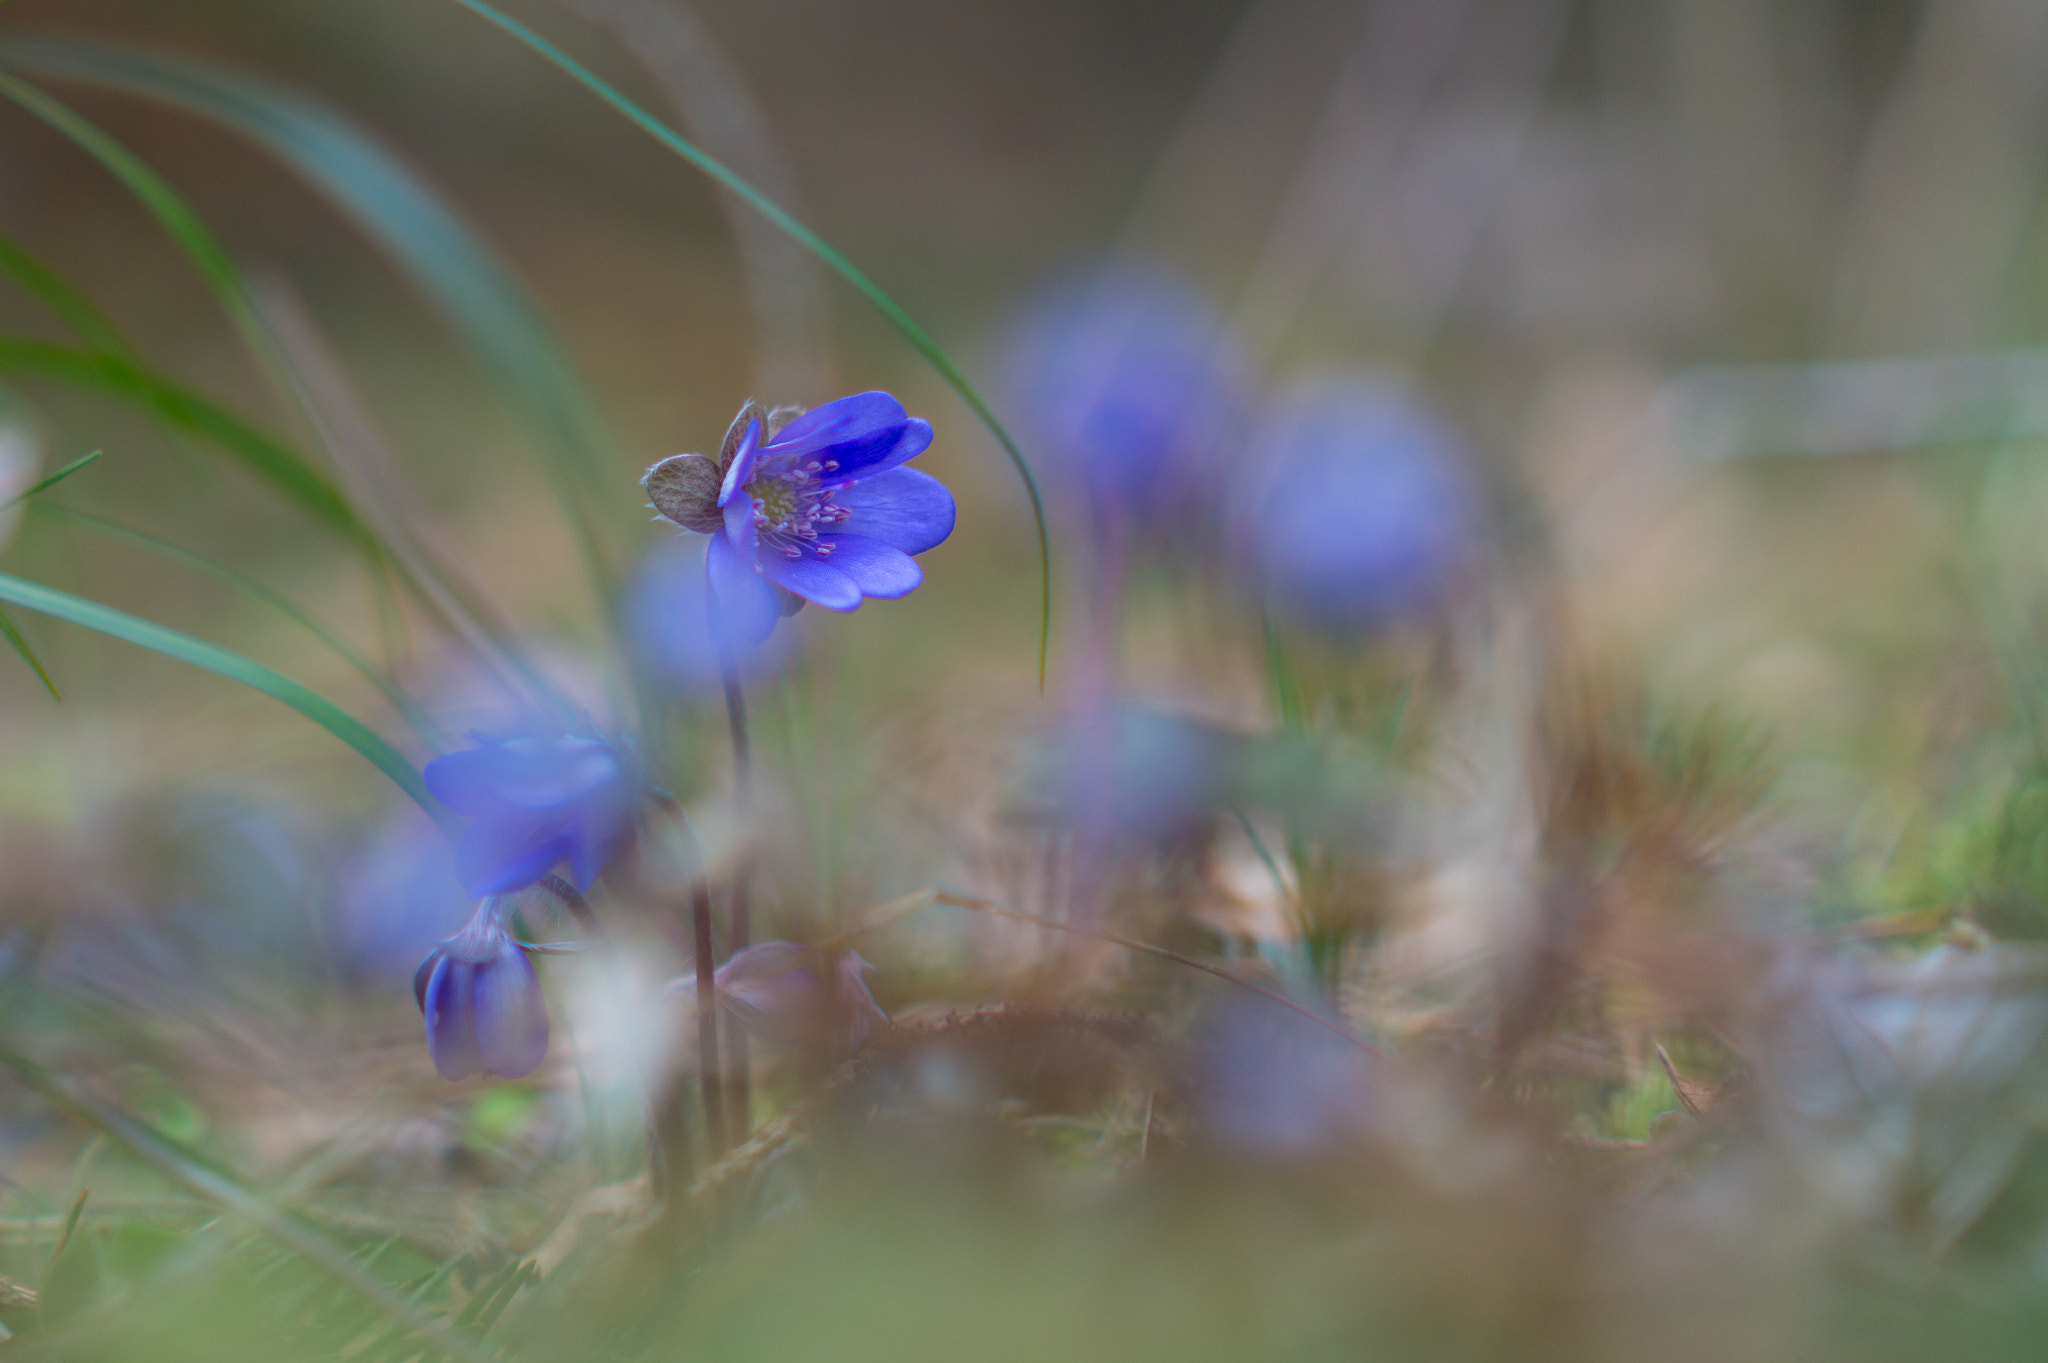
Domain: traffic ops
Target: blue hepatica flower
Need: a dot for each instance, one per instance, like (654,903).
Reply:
(539,800)
(818,508)
(1129,381)
(1365,513)
(482,1001)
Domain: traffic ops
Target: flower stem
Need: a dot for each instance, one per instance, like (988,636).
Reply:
(715,1138)
(739,927)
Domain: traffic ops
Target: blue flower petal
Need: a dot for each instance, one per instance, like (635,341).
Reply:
(903,507)
(511,1018)
(844,427)
(602,831)
(740,600)
(504,852)
(879,570)
(422,977)
(741,471)
(467,781)
(556,771)
(878,456)
(814,580)
(740,530)
(668,616)
(451,1027)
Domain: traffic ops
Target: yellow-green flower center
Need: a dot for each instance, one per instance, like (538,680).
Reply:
(775,497)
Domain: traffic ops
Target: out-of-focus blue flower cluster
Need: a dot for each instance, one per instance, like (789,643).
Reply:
(1347,499)
(1365,514)
(1128,384)
(539,800)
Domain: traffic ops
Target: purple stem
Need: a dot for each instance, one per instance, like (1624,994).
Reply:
(739,911)
(715,1137)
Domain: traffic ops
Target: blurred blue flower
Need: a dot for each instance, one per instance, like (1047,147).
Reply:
(1362,514)
(538,799)
(1272,1082)
(818,507)
(482,1001)
(1133,772)
(671,623)
(1128,381)
(398,897)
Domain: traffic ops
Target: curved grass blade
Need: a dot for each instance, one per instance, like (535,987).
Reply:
(839,264)
(15,641)
(785,286)
(79,313)
(46,484)
(8,629)
(181,407)
(260,591)
(163,202)
(227,663)
(230,1191)
(368,474)
(473,290)
(82,315)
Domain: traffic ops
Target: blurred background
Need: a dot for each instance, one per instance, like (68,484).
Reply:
(1670,817)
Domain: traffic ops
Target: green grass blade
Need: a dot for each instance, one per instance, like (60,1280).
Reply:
(79,313)
(227,663)
(229,1190)
(839,264)
(46,484)
(190,232)
(257,590)
(163,202)
(180,407)
(19,644)
(472,289)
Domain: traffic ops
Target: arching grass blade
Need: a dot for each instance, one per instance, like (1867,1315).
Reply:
(179,406)
(163,202)
(259,591)
(80,313)
(824,251)
(485,305)
(227,663)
